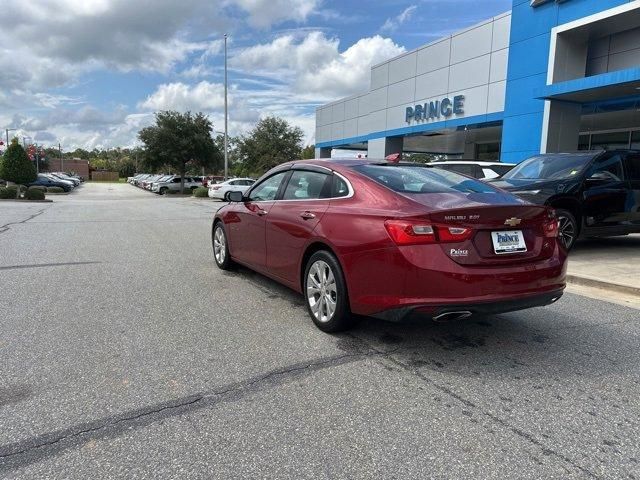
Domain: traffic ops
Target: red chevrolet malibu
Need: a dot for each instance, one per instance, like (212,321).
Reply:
(387,240)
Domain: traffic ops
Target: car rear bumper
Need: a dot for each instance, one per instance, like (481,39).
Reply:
(383,281)
(462,309)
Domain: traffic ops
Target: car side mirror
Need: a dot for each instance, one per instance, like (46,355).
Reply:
(234,197)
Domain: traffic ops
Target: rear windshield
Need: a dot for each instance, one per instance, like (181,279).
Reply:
(420,179)
(551,167)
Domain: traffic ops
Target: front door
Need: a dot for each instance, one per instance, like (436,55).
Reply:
(247,232)
(293,219)
(605,195)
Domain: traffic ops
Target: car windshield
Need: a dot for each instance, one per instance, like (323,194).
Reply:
(419,179)
(551,167)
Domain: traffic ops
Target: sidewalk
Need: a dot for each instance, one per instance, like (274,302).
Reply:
(607,263)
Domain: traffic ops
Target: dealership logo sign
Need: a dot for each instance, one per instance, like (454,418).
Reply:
(444,108)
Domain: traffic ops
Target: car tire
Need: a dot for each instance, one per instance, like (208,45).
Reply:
(567,228)
(325,293)
(220,245)
(163,190)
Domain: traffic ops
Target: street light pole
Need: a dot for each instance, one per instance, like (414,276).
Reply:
(226,115)
(61,159)
(7,130)
(37,159)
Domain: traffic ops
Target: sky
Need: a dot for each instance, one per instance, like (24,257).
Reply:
(91,73)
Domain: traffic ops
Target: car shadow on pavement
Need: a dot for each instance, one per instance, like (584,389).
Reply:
(518,345)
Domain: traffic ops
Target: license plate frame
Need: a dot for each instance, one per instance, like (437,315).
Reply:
(502,246)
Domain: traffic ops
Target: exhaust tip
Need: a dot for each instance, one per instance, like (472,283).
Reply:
(450,316)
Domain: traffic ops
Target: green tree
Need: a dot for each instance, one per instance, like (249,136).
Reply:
(309,152)
(126,167)
(273,141)
(16,166)
(178,140)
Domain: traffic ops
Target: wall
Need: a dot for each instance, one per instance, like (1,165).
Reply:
(104,176)
(528,68)
(80,167)
(614,52)
(472,63)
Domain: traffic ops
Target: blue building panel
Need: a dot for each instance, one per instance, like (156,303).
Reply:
(529,50)
(521,133)
(529,57)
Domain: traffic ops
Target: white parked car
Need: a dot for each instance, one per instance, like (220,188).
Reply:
(475,169)
(218,190)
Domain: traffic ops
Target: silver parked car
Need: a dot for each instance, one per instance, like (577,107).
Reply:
(172,182)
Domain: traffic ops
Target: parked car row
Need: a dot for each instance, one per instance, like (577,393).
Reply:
(217,186)
(162,184)
(57,179)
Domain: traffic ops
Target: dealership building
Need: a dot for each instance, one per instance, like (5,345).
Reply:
(548,76)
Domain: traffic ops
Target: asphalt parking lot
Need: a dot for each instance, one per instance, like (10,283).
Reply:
(125,353)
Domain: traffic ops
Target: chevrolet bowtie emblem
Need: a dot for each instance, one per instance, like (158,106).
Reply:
(513,222)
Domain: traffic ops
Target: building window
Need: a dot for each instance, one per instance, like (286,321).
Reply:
(610,141)
(488,151)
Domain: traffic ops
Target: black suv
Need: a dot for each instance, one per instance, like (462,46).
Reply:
(595,193)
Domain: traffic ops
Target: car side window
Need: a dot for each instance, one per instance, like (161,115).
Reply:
(176,180)
(608,168)
(268,188)
(633,167)
(306,185)
(340,187)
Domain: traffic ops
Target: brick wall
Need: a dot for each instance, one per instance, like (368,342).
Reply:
(78,166)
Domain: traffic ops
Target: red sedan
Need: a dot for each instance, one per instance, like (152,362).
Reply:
(388,239)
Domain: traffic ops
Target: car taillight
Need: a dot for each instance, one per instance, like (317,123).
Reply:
(215,188)
(406,232)
(550,226)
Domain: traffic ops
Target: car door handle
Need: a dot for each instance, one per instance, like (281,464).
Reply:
(308,215)
(261,212)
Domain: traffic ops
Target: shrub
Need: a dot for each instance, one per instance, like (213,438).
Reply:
(34,194)
(42,188)
(201,192)
(12,190)
(16,166)
(187,191)
(6,193)
(55,190)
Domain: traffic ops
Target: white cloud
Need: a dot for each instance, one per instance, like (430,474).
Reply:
(204,96)
(392,24)
(264,13)
(315,65)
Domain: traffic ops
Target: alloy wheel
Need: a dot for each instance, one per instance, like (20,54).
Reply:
(219,245)
(566,231)
(322,293)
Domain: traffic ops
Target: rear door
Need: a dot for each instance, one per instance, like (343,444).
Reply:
(605,191)
(247,232)
(632,164)
(293,218)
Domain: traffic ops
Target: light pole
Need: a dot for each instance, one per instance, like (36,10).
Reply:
(61,159)
(226,114)
(7,130)
(37,159)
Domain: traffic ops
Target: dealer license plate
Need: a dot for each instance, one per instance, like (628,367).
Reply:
(508,242)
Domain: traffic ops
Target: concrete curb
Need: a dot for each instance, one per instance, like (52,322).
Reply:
(587,281)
